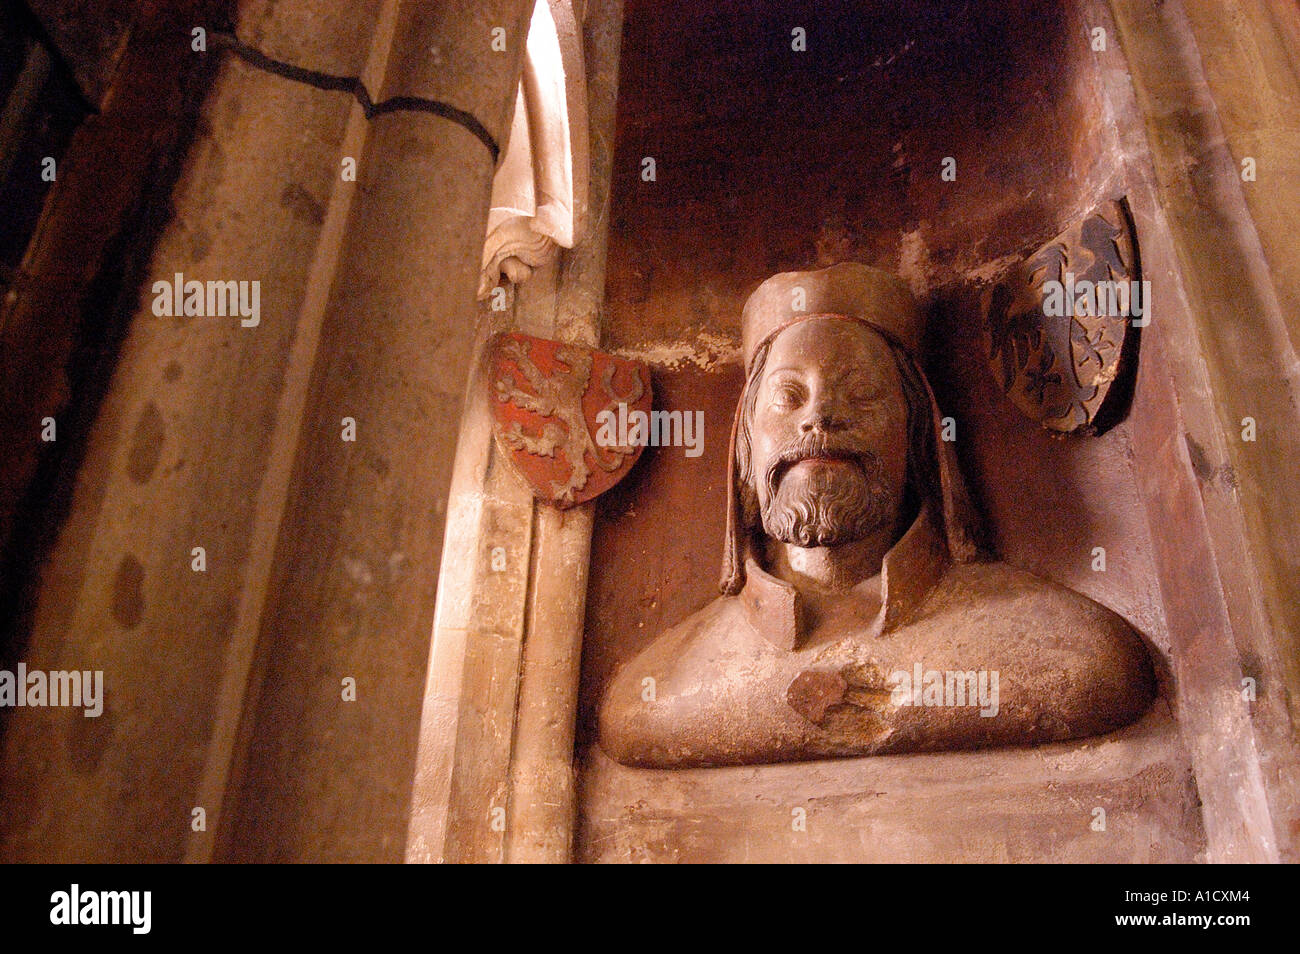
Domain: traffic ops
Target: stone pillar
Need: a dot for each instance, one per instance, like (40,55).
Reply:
(184,455)
(351,595)
(495,773)
(223,668)
(1210,92)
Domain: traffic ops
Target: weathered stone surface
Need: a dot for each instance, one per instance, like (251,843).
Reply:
(859,562)
(464,807)
(1063,326)
(560,415)
(174,461)
(91,37)
(356,565)
(1014,805)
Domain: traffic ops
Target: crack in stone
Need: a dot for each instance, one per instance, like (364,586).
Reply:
(352,84)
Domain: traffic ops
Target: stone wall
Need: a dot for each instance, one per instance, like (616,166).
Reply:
(768,159)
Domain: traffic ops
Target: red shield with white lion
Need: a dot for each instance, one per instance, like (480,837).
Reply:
(549,400)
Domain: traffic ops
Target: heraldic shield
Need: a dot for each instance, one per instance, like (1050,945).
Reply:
(548,402)
(1055,330)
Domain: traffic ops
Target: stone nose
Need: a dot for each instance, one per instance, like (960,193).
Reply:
(823,413)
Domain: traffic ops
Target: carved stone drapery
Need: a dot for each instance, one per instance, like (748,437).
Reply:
(539,191)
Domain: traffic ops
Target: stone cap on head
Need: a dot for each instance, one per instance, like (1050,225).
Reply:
(847,290)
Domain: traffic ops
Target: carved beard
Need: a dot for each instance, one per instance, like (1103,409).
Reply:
(830,505)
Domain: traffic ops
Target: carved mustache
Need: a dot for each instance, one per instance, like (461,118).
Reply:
(820,446)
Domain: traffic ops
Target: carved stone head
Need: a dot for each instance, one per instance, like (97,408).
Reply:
(836,435)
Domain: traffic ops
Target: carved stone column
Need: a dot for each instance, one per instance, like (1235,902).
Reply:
(319,554)
(351,596)
(1210,91)
(495,774)
(187,452)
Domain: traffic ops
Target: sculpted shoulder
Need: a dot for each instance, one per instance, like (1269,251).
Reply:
(653,710)
(1069,667)
(712,691)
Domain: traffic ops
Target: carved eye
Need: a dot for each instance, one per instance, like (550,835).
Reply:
(787,395)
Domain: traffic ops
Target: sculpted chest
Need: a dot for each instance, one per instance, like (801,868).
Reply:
(1038,663)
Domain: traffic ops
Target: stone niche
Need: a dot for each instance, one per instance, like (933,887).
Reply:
(770,159)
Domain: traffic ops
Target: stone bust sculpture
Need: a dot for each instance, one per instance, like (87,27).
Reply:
(858,615)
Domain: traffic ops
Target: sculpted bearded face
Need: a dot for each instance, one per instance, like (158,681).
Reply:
(826,460)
